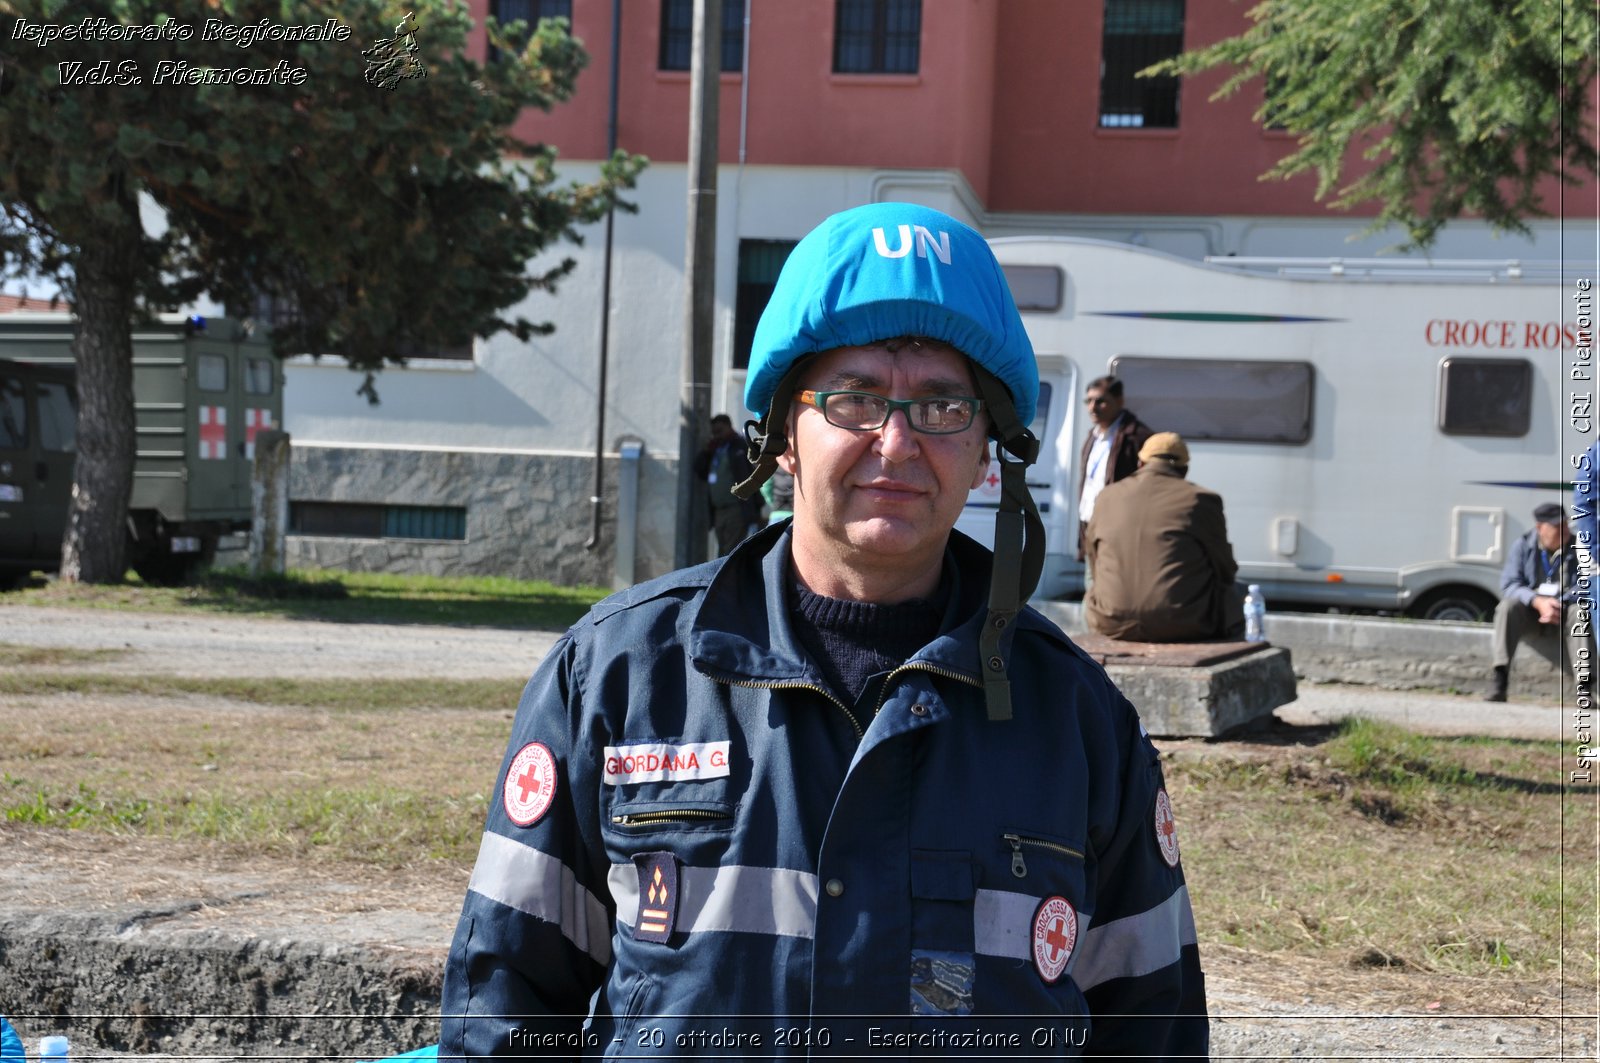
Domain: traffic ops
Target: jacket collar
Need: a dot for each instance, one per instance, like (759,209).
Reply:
(741,629)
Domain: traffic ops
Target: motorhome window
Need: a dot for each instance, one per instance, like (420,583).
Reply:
(13,414)
(1035,287)
(257,376)
(759,264)
(1224,399)
(58,417)
(211,372)
(1485,396)
(1137,34)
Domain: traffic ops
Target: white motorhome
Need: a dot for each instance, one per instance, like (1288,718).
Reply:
(1379,431)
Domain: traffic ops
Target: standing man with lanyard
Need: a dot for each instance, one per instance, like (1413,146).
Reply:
(840,792)
(1110,451)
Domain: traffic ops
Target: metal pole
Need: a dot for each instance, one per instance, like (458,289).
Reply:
(694,404)
(597,494)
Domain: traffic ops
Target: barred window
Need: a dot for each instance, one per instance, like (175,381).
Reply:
(1139,33)
(677,34)
(529,11)
(460,352)
(877,36)
(364,520)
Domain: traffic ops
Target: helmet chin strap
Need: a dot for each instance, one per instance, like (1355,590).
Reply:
(765,438)
(1018,542)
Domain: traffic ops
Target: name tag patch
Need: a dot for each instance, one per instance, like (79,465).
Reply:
(661,762)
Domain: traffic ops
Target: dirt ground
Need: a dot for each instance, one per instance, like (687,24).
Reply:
(1264,1007)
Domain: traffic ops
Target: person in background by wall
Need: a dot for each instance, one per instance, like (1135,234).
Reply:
(1164,571)
(779,493)
(1541,602)
(721,464)
(1110,451)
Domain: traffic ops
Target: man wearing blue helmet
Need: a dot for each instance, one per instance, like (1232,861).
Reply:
(840,792)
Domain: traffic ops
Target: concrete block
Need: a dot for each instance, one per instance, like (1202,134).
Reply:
(1196,689)
(1388,652)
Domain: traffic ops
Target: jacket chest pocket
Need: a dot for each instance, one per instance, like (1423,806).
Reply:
(688,827)
(1032,910)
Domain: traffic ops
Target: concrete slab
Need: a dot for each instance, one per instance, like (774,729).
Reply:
(1389,652)
(1196,689)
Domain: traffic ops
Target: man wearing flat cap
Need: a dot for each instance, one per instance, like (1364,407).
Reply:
(1163,568)
(1540,601)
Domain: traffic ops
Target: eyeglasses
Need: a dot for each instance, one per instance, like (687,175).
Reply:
(862,411)
(1099,400)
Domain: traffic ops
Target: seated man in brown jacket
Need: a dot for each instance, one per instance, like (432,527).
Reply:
(1163,569)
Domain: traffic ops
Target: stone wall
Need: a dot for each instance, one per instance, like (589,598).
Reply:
(527,515)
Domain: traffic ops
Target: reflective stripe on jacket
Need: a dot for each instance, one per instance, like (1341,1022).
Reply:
(722,857)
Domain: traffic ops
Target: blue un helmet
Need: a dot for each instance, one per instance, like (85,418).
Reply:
(891,270)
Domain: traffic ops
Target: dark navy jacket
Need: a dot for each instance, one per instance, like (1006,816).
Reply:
(712,861)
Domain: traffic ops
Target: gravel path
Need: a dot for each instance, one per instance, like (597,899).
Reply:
(212,645)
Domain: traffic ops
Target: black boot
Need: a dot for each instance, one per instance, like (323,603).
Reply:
(1497,689)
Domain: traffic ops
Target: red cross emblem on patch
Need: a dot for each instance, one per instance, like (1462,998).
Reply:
(530,784)
(213,432)
(1166,829)
(1055,932)
(255,420)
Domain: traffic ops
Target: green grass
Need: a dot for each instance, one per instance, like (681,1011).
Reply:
(487,601)
(1383,848)
(375,825)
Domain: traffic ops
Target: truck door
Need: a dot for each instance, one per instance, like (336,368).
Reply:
(212,398)
(17,497)
(56,409)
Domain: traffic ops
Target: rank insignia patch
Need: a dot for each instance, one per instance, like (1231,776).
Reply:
(658,896)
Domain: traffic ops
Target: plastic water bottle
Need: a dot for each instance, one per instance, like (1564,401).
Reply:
(1255,615)
(53,1049)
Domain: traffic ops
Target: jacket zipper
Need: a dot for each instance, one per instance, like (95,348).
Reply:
(640,819)
(919,666)
(1019,867)
(759,685)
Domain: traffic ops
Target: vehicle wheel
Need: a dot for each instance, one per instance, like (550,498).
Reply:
(1454,602)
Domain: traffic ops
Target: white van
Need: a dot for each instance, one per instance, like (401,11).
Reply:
(1379,431)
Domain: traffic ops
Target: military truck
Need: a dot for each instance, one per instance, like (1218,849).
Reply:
(203,389)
